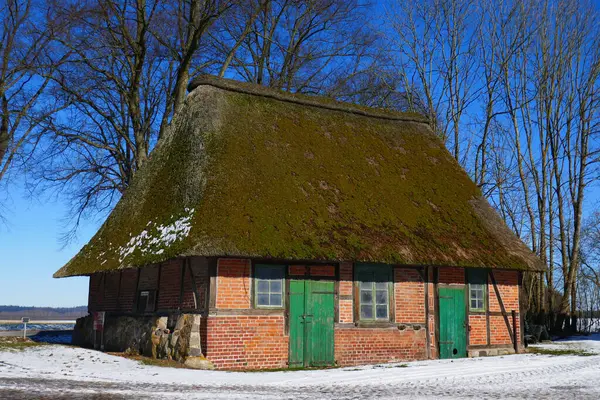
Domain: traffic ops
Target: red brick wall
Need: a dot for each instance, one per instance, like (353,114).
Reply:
(355,346)
(450,275)
(148,277)
(95,294)
(169,287)
(116,291)
(478,329)
(233,283)
(199,267)
(247,342)
(111,291)
(127,293)
(409,294)
(507,283)
(346,310)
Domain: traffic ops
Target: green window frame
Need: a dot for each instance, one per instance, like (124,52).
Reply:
(269,286)
(374,287)
(477,289)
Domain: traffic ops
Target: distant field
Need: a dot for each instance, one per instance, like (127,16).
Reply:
(37,326)
(55,314)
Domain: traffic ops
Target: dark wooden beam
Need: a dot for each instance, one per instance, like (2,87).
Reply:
(427,333)
(510,333)
(182,267)
(212,287)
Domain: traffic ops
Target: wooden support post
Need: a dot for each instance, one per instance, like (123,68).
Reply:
(514,326)
(504,314)
(427,333)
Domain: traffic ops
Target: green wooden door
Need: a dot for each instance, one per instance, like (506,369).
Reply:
(297,311)
(311,323)
(453,332)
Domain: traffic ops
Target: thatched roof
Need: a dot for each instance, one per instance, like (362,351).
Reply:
(251,172)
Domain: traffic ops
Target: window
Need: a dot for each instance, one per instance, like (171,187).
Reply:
(477,287)
(146,301)
(268,287)
(374,292)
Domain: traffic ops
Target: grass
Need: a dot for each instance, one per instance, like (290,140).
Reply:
(17,344)
(149,361)
(559,352)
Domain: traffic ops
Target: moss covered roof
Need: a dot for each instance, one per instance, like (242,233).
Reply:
(251,172)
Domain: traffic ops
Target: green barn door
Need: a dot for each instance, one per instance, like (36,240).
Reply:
(311,323)
(297,311)
(453,332)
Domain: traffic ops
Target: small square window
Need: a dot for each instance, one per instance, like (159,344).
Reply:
(477,289)
(146,301)
(268,286)
(374,285)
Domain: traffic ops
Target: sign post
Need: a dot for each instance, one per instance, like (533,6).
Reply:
(25,320)
(99,327)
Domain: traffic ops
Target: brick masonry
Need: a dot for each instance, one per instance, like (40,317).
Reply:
(233,283)
(409,296)
(235,336)
(357,346)
(247,342)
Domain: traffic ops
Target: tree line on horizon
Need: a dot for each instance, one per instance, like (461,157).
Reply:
(17,312)
(87,89)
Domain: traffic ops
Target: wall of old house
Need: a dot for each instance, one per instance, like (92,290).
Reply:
(235,335)
(488,332)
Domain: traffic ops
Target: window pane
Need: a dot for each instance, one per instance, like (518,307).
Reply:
(366,297)
(382,297)
(275,300)
(366,312)
(276,286)
(269,285)
(476,296)
(262,299)
(262,286)
(373,281)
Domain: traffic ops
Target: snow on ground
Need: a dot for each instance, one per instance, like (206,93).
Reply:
(56,372)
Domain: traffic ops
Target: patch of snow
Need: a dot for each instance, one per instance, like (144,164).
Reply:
(156,236)
(515,376)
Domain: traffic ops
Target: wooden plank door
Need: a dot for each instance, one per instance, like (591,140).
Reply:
(319,323)
(297,316)
(453,331)
(311,323)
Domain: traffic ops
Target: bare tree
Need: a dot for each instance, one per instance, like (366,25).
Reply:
(110,88)
(26,70)
(126,76)
(436,44)
(302,46)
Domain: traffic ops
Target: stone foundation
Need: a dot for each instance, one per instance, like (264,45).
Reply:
(491,352)
(174,337)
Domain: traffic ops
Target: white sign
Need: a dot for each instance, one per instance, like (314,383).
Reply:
(99,320)
(25,320)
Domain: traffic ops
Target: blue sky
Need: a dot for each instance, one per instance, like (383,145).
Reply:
(30,252)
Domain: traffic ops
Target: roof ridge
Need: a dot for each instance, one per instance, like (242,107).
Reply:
(301,99)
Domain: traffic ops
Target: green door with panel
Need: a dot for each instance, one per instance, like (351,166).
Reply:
(453,325)
(311,323)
